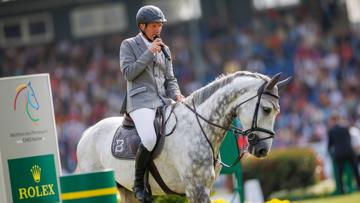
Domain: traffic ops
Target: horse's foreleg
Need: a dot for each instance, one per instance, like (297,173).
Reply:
(197,192)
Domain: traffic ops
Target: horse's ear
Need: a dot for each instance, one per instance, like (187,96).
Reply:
(273,82)
(282,84)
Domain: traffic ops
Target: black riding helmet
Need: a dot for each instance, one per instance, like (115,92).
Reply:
(149,14)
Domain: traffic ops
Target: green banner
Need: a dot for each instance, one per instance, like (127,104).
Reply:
(33,179)
(94,187)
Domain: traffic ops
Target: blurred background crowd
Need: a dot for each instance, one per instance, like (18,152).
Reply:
(312,41)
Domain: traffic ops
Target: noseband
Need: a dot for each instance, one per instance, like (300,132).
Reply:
(253,138)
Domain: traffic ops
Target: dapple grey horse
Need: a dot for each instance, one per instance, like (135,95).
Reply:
(188,162)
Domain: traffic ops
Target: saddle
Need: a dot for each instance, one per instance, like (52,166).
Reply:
(126,140)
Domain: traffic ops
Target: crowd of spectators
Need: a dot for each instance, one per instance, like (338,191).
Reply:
(324,61)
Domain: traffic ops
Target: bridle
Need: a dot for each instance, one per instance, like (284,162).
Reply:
(253,139)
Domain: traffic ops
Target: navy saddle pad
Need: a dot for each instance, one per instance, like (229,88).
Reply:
(126,140)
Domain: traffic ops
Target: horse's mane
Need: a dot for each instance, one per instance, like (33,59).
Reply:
(205,92)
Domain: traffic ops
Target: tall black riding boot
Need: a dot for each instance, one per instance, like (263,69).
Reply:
(143,157)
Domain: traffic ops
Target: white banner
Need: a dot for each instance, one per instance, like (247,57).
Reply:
(30,164)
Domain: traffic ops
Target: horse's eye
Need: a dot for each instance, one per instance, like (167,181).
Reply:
(267,110)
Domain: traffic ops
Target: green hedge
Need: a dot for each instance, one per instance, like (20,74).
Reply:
(170,198)
(288,168)
(321,189)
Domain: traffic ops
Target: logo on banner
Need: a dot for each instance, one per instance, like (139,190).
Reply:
(29,102)
(36,173)
(37,182)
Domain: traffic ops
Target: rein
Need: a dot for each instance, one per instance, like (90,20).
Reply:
(162,128)
(253,139)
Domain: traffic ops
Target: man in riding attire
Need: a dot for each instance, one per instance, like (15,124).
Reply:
(150,84)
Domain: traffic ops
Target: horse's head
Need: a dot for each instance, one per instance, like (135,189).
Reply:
(258,115)
(31,97)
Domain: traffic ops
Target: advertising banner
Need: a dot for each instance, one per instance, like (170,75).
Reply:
(29,155)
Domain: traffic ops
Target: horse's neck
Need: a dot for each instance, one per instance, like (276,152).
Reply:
(219,109)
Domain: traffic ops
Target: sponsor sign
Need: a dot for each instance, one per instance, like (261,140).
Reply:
(33,179)
(29,157)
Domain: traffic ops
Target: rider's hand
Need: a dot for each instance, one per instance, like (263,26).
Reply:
(156,46)
(179,97)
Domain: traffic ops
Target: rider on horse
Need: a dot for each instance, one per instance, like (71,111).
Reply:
(147,67)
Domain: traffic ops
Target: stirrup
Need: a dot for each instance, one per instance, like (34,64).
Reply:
(146,198)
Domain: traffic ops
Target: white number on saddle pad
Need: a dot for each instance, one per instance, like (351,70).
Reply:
(119,145)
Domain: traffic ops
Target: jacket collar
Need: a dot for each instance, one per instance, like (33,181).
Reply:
(140,42)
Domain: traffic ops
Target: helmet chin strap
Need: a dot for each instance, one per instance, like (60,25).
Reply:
(145,35)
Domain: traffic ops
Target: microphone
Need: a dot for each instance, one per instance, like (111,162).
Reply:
(163,50)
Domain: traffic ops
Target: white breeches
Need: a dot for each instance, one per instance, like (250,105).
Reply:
(144,123)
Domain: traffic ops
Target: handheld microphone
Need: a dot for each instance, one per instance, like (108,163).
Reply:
(163,50)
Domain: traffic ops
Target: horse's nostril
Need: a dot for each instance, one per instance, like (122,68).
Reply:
(262,152)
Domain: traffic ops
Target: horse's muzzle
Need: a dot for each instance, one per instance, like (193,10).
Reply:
(261,152)
(257,147)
